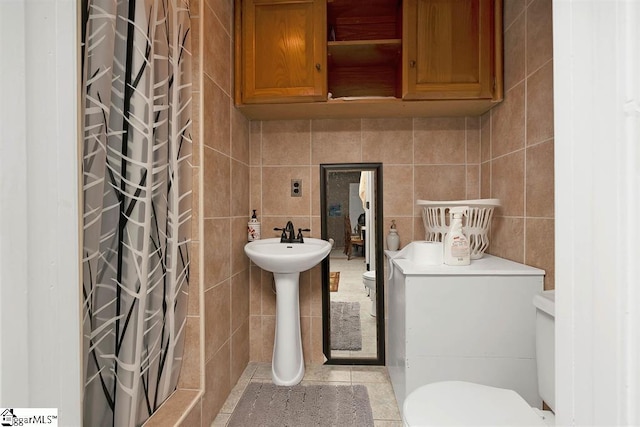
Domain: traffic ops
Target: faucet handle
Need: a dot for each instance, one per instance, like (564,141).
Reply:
(283,236)
(300,237)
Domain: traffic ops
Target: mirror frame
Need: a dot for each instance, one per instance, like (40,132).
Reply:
(325,169)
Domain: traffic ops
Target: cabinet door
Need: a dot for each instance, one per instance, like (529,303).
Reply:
(283,51)
(449,49)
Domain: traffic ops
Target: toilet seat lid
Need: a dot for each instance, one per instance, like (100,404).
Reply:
(451,403)
(369,274)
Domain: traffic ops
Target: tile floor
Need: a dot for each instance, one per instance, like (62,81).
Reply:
(375,378)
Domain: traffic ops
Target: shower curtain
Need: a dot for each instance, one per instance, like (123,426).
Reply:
(136,96)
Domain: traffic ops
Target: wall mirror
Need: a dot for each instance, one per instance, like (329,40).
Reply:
(352,292)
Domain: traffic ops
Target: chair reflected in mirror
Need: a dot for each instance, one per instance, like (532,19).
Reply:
(352,241)
(347,237)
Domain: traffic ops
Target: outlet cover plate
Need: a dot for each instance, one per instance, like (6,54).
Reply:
(296,188)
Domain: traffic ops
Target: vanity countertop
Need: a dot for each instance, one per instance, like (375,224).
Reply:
(486,266)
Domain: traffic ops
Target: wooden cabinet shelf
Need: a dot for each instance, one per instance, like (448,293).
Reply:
(362,53)
(366,57)
(364,67)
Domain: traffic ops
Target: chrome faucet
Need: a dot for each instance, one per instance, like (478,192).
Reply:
(289,234)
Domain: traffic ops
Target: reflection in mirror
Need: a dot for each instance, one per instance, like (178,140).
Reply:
(353,312)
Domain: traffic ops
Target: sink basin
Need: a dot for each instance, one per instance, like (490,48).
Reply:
(271,255)
(286,261)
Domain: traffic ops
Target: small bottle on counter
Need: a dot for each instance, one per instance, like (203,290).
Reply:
(393,239)
(253,228)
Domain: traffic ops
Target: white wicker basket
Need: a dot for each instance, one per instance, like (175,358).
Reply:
(435,216)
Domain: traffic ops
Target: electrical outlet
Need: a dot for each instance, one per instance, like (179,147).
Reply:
(296,188)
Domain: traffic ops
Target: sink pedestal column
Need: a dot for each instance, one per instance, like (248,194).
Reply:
(287,366)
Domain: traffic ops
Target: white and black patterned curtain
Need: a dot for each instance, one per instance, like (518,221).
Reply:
(137,204)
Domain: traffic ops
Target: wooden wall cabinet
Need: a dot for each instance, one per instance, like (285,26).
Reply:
(449,50)
(386,58)
(281,51)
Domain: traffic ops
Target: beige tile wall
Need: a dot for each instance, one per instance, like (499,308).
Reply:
(517,141)
(225,189)
(217,344)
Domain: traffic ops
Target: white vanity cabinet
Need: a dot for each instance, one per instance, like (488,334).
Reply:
(470,323)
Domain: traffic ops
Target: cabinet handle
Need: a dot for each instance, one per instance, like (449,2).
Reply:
(318,67)
(412,63)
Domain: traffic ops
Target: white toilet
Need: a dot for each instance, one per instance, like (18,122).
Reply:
(369,280)
(459,403)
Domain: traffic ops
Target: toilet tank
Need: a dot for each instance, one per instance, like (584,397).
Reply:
(545,346)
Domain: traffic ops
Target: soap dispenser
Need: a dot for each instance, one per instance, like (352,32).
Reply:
(253,228)
(393,239)
(456,244)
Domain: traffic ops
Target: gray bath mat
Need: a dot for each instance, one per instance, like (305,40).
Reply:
(266,404)
(346,333)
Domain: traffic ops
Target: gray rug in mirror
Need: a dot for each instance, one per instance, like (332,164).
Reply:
(346,332)
(266,404)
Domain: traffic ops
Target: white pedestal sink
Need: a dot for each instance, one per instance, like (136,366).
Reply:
(286,261)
